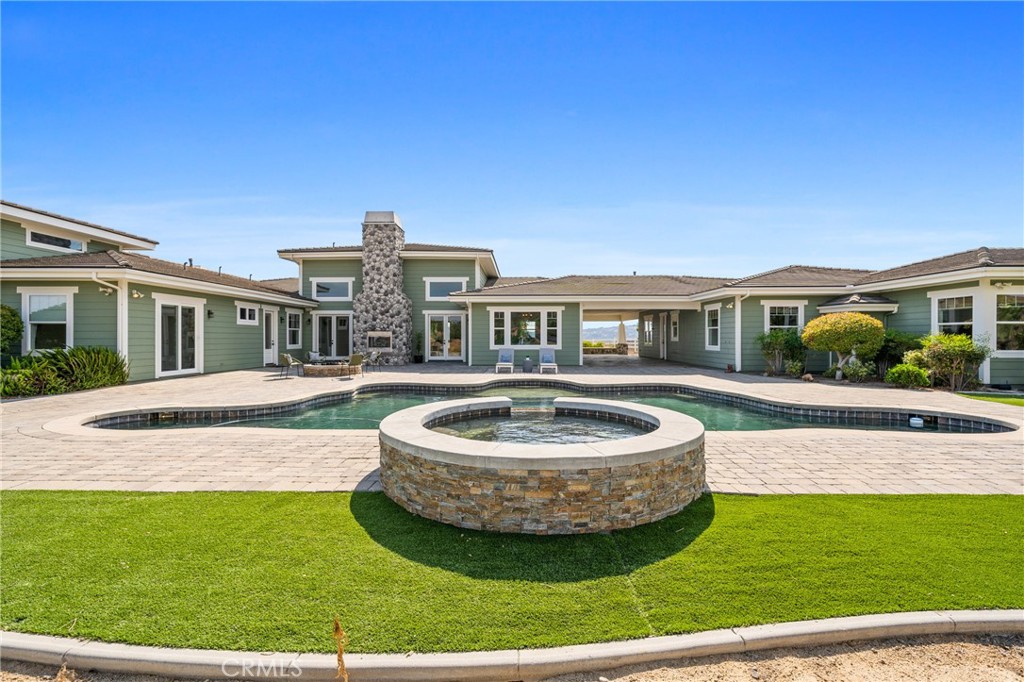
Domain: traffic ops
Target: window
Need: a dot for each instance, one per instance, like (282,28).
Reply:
(783,317)
(247,314)
(535,328)
(649,330)
(331,288)
(48,313)
(1009,322)
(293,328)
(712,327)
(380,341)
(956,315)
(674,326)
(55,243)
(439,288)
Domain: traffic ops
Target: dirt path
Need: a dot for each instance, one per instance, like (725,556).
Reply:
(924,659)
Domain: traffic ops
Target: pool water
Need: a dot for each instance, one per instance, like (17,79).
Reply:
(539,426)
(366,411)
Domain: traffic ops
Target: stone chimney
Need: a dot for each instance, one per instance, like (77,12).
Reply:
(381,305)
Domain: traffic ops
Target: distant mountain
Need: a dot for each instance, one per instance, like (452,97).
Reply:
(608,334)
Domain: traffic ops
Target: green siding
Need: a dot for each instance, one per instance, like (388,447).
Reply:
(1007,370)
(481,333)
(753,324)
(12,244)
(689,349)
(415,269)
(227,345)
(915,311)
(351,267)
(95,315)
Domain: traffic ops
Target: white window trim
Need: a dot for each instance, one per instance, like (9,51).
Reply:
(69,321)
(427,281)
(1007,291)
(59,234)
(255,322)
(316,331)
(647,339)
(287,329)
(313,281)
(173,299)
(543,310)
(673,325)
(707,329)
(974,292)
(782,302)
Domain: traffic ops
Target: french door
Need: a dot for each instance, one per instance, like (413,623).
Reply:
(179,329)
(444,337)
(333,335)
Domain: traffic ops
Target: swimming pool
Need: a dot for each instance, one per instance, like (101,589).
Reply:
(366,410)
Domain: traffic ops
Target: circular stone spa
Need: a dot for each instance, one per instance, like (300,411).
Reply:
(563,487)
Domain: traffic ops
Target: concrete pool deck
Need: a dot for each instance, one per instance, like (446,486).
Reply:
(45,446)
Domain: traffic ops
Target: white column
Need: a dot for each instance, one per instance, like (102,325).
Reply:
(737,319)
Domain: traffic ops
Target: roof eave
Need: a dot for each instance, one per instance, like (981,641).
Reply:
(26,215)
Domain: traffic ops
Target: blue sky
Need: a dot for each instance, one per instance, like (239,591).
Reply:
(711,139)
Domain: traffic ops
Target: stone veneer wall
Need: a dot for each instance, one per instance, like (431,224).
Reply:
(382,304)
(543,501)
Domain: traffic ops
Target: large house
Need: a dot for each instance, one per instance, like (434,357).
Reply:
(79,283)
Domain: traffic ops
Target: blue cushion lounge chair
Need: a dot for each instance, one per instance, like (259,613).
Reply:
(547,360)
(505,360)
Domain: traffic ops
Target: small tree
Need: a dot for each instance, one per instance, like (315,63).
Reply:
(780,346)
(846,335)
(954,358)
(894,347)
(11,330)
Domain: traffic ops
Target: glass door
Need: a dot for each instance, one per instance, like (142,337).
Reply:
(445,337)
(177,339)
(269,337)
(333,335)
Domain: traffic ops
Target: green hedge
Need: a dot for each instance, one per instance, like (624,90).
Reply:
(62,370)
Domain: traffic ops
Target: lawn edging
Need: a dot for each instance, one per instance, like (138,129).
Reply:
(521,664)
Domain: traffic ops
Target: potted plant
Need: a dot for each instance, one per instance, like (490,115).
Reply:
(417,351)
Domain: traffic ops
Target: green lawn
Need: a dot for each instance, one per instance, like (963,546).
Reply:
(1019,402)
(268,571)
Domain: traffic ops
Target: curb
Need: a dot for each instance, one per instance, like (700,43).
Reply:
(523,664)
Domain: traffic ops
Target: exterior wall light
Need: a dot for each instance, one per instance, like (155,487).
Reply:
(137,294)
(209,314)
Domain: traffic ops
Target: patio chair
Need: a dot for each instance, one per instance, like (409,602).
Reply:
(373,360)
(286,362)
(506,359)
(547,360)
(355,365)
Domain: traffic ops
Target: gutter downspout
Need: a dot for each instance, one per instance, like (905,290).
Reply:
(122,311)
(738,330)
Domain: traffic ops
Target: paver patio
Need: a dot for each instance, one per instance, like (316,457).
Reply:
(45,446)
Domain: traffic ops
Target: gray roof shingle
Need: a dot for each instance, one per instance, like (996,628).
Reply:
(802,276)
(964,260)
(77,220)
(135,261)
(356,248)
(602,285)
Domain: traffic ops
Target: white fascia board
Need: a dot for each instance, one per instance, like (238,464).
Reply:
(860,308)
(30,219)
(153,279)
(674,303)
(945,278)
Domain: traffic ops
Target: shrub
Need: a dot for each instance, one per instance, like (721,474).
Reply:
(907,376)
(593,344)
(795,368)
(11,330)
(846,335)
(60,370)
(954,359)
(857,371)
(779,346)
(915,358)
(894,345)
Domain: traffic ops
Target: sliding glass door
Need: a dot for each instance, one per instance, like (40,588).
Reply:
(178,335)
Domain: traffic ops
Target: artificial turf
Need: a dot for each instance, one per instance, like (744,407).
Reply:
(1006,400)
(268,571)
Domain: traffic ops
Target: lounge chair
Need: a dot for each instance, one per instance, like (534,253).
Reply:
(547,360)
(286,362)
(506,359)
(355,365)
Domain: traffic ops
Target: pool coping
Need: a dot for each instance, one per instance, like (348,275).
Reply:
(407,430)
(512,664)
(82,424)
